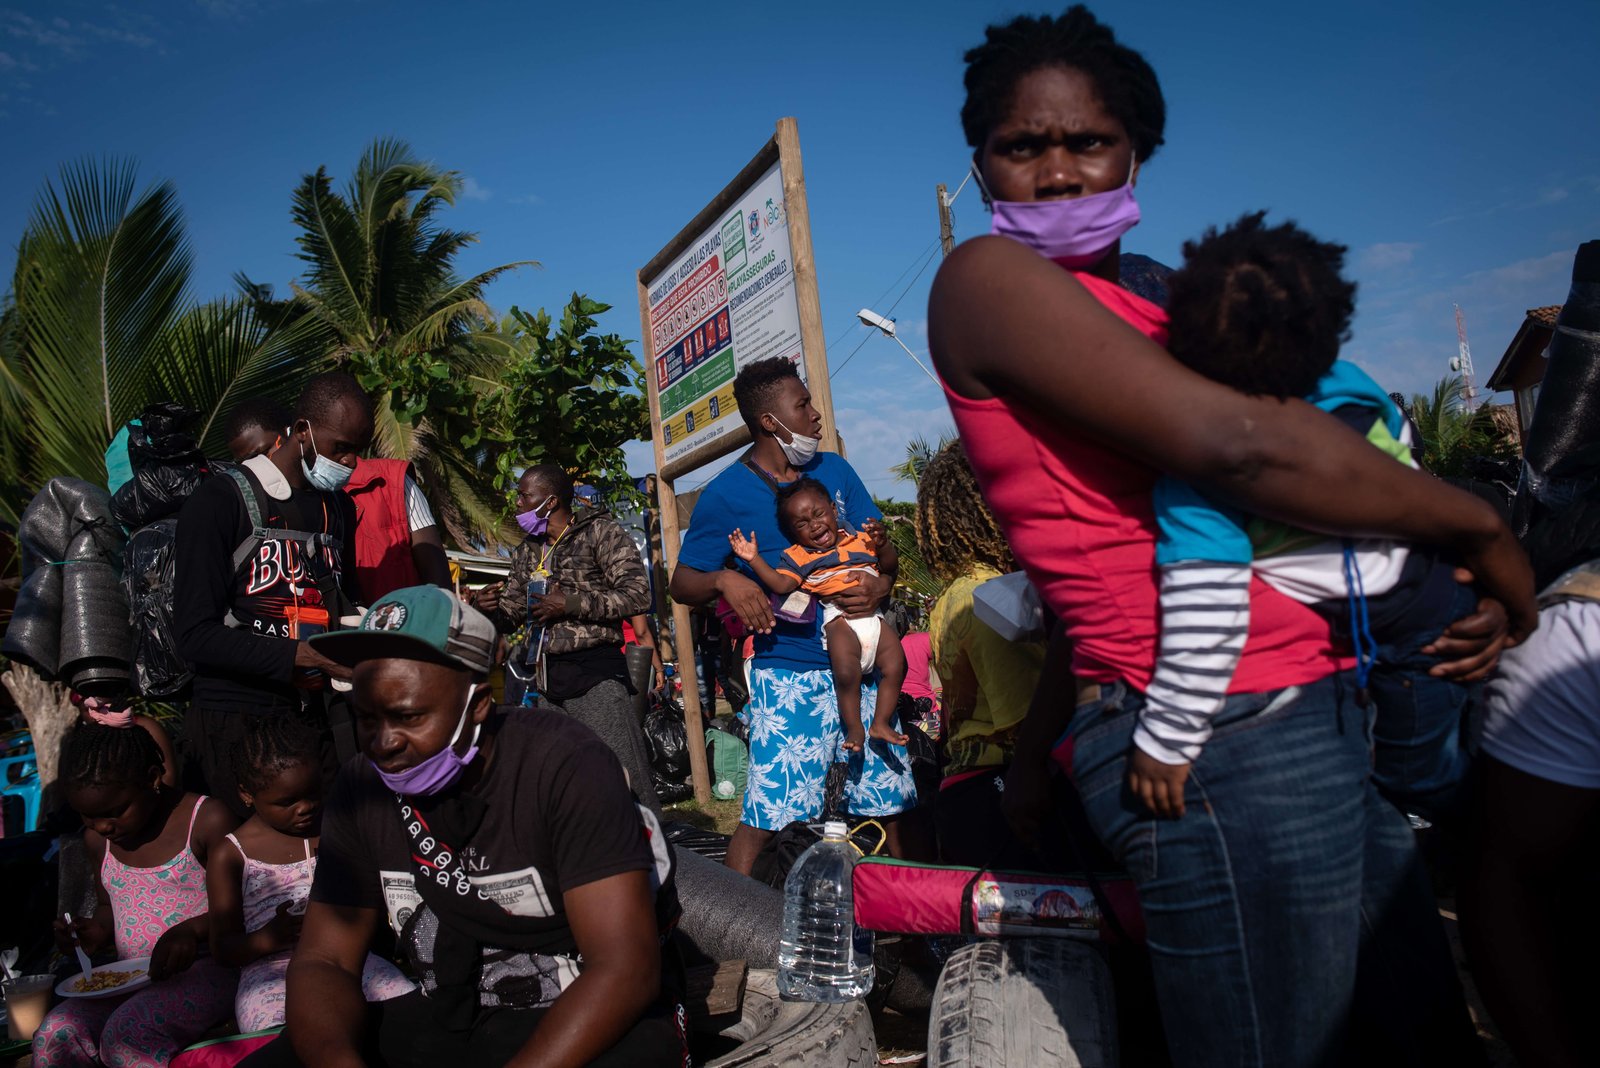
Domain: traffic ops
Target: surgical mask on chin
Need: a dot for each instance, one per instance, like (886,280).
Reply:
(323,474)
(440,771)
(799,450)
(1075,232)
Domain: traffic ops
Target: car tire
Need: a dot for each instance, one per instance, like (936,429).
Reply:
(1044,1002)
(774,1033)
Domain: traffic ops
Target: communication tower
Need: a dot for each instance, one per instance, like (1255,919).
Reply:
(1462,363)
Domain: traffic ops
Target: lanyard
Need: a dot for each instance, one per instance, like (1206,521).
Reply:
(544,558)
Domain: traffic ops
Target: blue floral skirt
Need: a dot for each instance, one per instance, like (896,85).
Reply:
(795,735)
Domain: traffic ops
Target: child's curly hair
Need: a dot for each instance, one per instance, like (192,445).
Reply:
(955,528)
(1260,308)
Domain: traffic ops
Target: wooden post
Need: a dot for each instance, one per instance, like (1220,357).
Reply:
(812,340)
(667,501)
(947,235)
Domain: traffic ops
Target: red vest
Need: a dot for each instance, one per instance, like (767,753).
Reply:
(383,533)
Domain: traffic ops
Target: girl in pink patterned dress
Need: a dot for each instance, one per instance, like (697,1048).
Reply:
(259,883)
(150,842)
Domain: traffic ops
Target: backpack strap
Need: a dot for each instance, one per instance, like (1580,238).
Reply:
(749,460)
(253,495)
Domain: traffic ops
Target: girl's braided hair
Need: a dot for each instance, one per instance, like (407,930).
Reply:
(1126,84)
(272,744)
(955,528)
(97,755)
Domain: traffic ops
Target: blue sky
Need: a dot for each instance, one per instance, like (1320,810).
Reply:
(1453,149)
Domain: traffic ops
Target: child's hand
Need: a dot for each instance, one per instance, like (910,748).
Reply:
(1158,785)
(284,927)
(744,548)
(174,951)
(92,935)
(875,533)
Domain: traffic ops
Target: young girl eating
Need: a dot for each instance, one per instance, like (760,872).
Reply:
(259,882)
(823,561)
(148,843)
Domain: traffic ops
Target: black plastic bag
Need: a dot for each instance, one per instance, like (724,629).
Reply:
(147,574)
(167,466)
(668,739)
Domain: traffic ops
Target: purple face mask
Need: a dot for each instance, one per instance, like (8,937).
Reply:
(1075,232)
(532,523)
(440,770)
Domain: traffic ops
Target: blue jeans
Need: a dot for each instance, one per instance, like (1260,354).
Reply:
(1419,762)
(1257,900)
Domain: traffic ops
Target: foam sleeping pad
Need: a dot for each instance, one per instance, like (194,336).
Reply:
(727,916)
(67,529)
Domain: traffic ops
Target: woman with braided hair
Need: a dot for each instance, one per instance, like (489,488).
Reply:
(987,680)
(1275,847)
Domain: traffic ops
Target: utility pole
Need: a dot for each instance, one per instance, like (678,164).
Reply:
(947,236)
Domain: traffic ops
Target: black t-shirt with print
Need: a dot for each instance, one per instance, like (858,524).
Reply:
(558,815)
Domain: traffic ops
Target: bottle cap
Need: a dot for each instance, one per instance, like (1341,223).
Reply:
(835,829)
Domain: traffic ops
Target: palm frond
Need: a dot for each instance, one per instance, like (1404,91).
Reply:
(220,353)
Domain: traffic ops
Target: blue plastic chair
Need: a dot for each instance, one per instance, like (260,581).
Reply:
(19,778)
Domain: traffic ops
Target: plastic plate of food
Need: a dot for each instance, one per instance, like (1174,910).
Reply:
(107,980)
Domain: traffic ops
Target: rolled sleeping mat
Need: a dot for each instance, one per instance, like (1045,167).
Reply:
(33,636)
(728,916)
(94,615)
(1561,457)
(94,604)
(44,534)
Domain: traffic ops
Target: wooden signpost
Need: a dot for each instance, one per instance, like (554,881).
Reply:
(736,285)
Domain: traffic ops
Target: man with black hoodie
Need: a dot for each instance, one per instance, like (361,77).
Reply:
(593,579)
(262,553)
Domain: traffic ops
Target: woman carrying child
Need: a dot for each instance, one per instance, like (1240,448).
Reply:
(260,881)
(1255,897)
(149,844)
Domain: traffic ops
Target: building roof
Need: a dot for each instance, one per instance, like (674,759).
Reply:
(1545,316)
(1530,341)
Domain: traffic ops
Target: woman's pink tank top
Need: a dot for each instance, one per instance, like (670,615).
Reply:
(1079,519)
(147,901)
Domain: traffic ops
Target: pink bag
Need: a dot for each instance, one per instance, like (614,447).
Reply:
(902,897)
(224,1052)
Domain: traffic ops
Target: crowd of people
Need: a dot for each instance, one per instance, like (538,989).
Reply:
(1259,640)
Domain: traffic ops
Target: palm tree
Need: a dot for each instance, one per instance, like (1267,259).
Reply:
(100,322)
(918,455)
(380,278)
(1452,434)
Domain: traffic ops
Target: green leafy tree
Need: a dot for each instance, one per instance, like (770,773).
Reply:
(1453,435)
(567,394)
(380,277)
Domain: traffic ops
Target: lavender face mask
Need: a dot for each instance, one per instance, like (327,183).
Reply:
(439,771)
(1074,232)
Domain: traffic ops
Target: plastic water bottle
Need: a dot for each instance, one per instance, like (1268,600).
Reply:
(823,956)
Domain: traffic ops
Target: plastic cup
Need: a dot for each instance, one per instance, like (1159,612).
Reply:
(27,1000)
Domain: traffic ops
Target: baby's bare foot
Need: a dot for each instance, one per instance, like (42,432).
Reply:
(854,739)
(882,732)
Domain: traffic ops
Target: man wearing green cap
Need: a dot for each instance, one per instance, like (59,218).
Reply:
(529,890)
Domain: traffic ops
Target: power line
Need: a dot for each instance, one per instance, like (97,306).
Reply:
(927,260)
(887,290)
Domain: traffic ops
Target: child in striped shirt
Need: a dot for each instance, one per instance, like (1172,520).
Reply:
(1264,310)
(824,561)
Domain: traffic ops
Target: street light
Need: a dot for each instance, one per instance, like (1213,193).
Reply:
(871,318)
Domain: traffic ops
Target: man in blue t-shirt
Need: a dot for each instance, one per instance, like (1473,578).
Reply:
(794,712)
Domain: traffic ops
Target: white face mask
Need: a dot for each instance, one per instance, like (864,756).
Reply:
(799,450)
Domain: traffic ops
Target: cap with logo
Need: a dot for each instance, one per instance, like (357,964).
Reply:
(416,623)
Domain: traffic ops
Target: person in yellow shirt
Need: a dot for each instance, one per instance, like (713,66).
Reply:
(988,681)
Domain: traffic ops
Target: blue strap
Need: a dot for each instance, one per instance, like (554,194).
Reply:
(1366,645)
